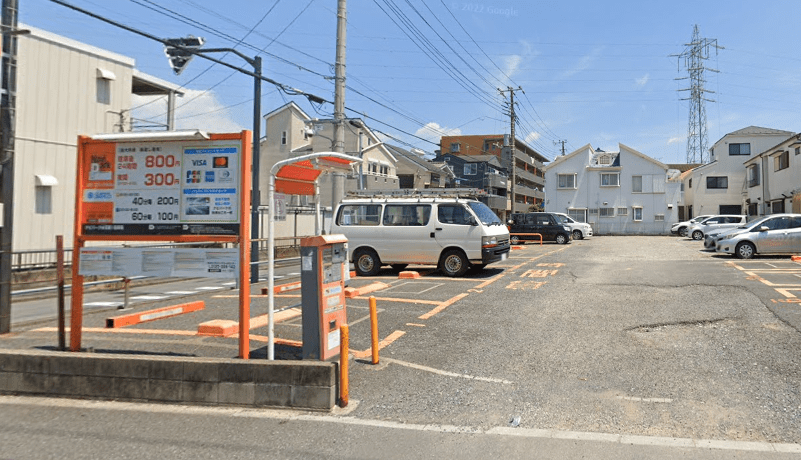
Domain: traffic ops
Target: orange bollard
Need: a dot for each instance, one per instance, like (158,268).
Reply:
(374,328)
(343,365)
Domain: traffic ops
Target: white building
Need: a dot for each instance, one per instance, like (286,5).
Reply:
(64,89)
(623,192)
(773,179)
(718,186)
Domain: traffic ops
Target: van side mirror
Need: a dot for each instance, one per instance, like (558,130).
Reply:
(472,221)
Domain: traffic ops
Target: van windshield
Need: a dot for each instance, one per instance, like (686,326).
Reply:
(484,213)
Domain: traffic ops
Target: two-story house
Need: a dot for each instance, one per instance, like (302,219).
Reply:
(773,179)
(718,186)
(624,192)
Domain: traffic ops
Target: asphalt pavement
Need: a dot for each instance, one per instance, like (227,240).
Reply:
(624,347)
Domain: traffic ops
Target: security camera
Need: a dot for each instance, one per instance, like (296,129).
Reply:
(309,132)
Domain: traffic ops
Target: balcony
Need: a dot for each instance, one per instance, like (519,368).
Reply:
(529,192)
(494,201)
(494,180)
(527,176)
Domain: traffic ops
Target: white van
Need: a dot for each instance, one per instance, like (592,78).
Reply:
(430,227)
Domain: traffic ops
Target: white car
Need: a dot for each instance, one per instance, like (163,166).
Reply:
(578,230)
(682,227)
(776,234)
(698,230)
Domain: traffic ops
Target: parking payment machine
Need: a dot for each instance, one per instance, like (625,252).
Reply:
(324,265)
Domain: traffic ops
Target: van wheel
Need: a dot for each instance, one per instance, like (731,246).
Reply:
(577,235)
(745,250)
(366,262)
(561,238)
(454,263)
(514,239)
(399,267)
(698,235)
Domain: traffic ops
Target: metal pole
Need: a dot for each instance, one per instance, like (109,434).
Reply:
(270,269)
(62,341)
(255,197)
(344,356)
(8,101)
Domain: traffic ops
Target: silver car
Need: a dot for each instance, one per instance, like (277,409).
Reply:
(682,227)
(712,237)
(776,234)
(698,230)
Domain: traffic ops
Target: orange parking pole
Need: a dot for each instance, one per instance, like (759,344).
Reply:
(374,328)
(343,365)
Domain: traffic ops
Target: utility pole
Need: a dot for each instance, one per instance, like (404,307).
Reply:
(695,53)
(563,145)
(512,142)
(8,104)
(337,178)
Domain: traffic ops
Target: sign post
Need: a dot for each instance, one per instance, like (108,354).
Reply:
(173,187)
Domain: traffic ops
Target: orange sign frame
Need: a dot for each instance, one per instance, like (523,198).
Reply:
(102,156)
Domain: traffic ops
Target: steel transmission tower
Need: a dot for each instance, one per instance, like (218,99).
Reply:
(695,53)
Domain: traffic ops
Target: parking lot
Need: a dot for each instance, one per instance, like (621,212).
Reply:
(643,336)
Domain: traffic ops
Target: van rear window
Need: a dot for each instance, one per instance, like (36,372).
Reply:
(407,214)
(359,214)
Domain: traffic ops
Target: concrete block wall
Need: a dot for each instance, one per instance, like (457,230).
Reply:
(256,383)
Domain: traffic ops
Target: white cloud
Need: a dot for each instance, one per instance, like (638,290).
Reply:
(195,110)
(583,64)
(674,140)
(433,131)
(532,136)
(642,81)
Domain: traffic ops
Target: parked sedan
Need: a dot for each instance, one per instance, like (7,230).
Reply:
(682,227)
(777,234)
(712,237)
(698,230)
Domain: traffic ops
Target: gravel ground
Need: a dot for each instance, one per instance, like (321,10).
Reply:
(631,335)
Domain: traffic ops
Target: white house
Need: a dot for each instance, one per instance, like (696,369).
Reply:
(624,192)
(773,179)
(718,186)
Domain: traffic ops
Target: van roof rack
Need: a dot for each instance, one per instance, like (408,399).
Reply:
(418,193)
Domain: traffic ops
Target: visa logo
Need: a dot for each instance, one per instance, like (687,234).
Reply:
(198,162)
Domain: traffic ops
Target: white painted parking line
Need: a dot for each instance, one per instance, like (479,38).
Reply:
(149,297)
(209,288)
(181,292)
(102,304)
(232,283)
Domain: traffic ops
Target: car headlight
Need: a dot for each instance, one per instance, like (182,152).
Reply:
(489,241)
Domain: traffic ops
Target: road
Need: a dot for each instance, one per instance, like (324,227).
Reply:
(609,347)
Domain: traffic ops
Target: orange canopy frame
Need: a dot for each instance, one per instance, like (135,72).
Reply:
(299,178)
(294,176)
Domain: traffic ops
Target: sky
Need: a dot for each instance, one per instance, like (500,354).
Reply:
(590,72)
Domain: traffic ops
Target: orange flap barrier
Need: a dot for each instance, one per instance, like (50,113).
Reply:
(152,315)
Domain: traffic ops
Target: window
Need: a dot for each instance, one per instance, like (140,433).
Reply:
(691,182)
(781,161)
(406,214)
(752,209)
(636,184)
(658,217)
(103,91)
(610,179)
(283,138)
(594,211)
(579,215)
(359,214)
(739,149)
(453,214)
(455,147)
(607,212)
(753,175)
(622,211)
(798,150)
(717,182)
(566,181)
(44,200)
(470,169)
(384,170)
(604,160)
(636,212)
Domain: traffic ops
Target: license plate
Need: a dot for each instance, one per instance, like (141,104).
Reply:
(504,256)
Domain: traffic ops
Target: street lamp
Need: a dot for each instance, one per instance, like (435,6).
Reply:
(179,51)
